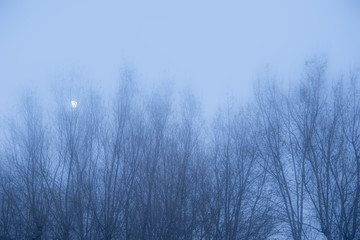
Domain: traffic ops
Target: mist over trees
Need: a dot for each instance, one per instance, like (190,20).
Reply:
(287,166)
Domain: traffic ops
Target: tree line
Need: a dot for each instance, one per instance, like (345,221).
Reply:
(286,166)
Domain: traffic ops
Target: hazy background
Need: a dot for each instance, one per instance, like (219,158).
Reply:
(213,47)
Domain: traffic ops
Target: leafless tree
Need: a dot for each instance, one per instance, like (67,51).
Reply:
(25,205)
(150,167)
(284,166)
(346,171)
(241,210)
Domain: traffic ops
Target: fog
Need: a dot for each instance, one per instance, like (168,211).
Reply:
(186,120)
(214,48)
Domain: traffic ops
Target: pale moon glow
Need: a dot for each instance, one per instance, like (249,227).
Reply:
(74,104)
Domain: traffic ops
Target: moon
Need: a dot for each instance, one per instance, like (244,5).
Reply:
(74,104)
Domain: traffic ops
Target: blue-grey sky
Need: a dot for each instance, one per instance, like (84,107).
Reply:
(213,47)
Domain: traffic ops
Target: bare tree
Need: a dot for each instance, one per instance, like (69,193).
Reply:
(285,168)
(321,122)
(74,157)
(25,195)
(348,181)
(151,168)
(122,146)
(240,208)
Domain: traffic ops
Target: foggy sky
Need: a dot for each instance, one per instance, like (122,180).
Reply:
(213,47)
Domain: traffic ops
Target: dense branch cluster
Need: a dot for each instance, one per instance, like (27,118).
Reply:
(287,166)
